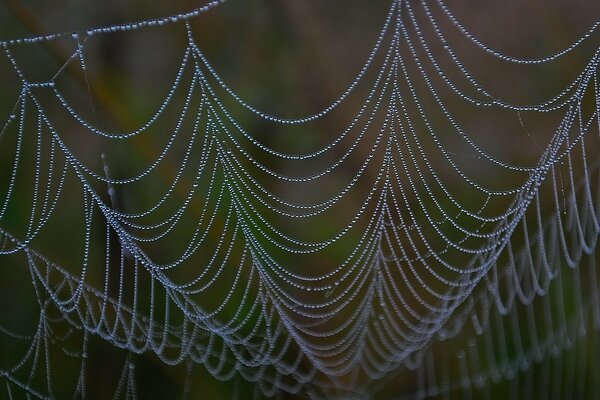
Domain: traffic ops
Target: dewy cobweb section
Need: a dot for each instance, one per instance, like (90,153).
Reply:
(403,246)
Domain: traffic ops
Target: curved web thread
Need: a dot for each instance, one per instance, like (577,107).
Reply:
(283,269)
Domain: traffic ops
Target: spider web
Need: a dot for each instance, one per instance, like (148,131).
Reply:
(404,247)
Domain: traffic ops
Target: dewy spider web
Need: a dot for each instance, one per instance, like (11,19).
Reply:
(307,272)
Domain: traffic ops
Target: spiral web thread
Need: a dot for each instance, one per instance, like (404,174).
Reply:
(279,275)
